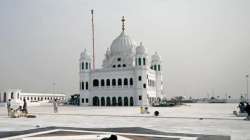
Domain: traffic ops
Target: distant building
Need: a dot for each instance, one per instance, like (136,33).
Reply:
(18,95)
(128,77)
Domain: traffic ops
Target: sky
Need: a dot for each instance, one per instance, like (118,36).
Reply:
(204,44)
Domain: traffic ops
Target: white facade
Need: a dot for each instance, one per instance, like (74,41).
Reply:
(18,95)
(128,77)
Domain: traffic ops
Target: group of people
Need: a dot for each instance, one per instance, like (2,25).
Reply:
(245,108)
(16,109)
(144,110)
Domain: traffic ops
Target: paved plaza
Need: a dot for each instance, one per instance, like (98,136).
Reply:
(190,121)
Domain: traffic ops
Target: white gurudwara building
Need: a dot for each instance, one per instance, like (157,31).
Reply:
(18,95)
(128,77)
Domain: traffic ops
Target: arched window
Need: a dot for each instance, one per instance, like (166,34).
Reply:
(86,65)
(159,68)
(87,85)
(131,81)
(139,78)
(139,61)
(31,98)
(140,97)
(102,83)
(113,82)
(119,82)
(144,85)
(125,83)
(144,61)
(154,67)
(95,83)
(107,82)
(82,85)
(12,95)
(82,65)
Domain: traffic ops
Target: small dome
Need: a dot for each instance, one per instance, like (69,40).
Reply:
(108,51)
(122,44)
(85,55)
(140,49)
(156,57)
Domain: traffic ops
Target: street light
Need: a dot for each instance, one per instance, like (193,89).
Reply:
(53,84)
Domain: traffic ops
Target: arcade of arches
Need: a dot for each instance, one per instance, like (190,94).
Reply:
(113,101)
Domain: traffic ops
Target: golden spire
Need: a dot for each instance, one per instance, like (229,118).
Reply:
(123,26)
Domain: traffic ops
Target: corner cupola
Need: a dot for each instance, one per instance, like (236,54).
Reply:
(141,49)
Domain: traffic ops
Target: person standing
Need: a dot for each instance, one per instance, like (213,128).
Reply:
(248,111)
(25,109)
(8,106)
(55,106)
(242,107)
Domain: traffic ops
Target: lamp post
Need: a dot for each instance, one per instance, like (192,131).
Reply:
(54,84)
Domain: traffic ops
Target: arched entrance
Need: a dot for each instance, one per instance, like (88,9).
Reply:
(120,101)
(108,103)
(125,101)
(113,101)
(102,101)
(131,101)
(96,101)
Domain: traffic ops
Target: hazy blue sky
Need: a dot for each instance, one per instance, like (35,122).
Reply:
(205,44)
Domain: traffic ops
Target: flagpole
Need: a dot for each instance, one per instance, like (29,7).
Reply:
(247,85)
(93,38)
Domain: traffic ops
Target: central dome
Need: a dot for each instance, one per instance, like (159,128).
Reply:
(122,44)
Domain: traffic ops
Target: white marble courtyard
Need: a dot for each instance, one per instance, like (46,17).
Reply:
(216,119)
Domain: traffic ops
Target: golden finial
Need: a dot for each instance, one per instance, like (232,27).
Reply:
(123,26)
